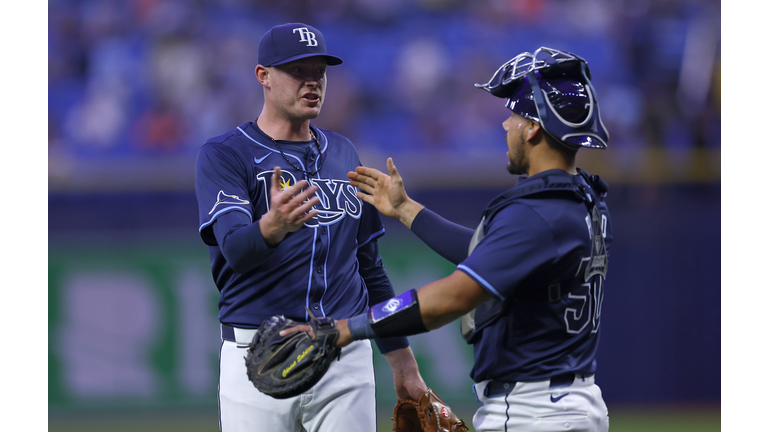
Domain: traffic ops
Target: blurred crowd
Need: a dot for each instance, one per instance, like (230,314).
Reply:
(146,78)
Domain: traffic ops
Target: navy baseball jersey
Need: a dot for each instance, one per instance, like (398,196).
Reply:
(316,267)
(543,256)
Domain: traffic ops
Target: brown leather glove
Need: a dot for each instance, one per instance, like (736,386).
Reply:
(429,414)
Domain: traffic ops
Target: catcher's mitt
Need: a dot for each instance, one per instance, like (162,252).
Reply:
(287,366)
(429,414)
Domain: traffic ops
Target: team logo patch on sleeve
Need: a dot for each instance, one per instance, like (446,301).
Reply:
(393,306)
(223,198)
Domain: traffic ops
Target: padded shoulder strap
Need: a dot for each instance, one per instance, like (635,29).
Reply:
(547,184)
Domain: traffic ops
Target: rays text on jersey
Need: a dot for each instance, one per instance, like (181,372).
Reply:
(338,198)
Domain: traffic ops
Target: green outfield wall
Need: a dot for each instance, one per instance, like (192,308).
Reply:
(133,324)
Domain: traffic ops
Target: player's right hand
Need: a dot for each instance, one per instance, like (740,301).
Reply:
(289,209)
(385,192)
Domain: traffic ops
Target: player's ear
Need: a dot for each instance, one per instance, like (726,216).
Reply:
(262,74)
(533,130)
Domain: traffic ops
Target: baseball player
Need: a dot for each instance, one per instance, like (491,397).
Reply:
(287,235)
(530,279)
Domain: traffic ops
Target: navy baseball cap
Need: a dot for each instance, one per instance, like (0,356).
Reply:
(293,41)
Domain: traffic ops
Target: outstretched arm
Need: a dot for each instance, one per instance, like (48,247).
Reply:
(440,303)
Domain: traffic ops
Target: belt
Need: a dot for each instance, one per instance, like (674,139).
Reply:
(241,336)
(495,388)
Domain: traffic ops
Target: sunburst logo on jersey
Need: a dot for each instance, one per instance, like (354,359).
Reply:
(284,184)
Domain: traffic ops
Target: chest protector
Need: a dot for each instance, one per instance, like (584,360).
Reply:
(553,184)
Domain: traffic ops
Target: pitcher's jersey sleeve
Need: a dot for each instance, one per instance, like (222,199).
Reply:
(220,187)
(371,226)
(517,243)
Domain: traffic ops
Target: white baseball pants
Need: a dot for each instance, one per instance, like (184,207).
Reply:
(343,400)
(534,407)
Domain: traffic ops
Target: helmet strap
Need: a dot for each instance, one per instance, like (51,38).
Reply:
(538,97)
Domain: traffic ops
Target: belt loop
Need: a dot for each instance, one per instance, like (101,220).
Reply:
(495,388)
(562,380)
(227,333)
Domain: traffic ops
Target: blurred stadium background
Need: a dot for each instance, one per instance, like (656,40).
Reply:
(135,87)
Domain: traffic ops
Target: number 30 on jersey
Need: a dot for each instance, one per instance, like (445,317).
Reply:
(588,301)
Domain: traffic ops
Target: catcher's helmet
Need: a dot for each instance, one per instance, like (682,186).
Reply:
(552,88)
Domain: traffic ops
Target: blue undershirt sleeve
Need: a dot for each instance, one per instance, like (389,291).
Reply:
(241,241)
(449,240)
(379,288)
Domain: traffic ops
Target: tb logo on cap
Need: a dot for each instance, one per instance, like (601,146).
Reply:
(306,36)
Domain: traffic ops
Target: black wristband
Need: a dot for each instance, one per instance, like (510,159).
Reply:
(398,316)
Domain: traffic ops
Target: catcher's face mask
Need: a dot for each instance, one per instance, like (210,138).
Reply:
(552,88)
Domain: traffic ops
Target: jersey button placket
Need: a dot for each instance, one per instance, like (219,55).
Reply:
(318,289)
